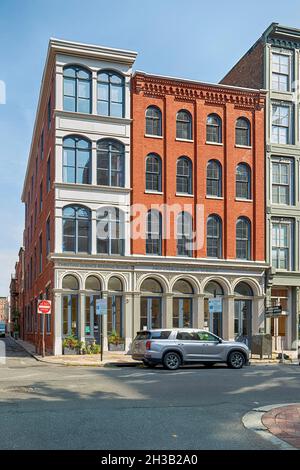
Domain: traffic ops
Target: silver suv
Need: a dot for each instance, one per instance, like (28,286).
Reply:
(175,347)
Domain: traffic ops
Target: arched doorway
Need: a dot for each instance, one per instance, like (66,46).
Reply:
(70,306)
(151,304)
(243,312)
(115,320)
(93,292)
(213,307)
(182,304)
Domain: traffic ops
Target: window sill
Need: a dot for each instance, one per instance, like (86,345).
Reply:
(184,195)
(248,147)
(184,140)
(221,198)
(153,136)
(240,199)
(159,193)
(220,144)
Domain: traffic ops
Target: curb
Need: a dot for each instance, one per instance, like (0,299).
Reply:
(253,421)
(74,364)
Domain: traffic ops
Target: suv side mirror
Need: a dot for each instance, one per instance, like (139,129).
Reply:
(220,340)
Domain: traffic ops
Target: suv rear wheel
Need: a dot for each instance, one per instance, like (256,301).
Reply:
(236,360)
(171,361)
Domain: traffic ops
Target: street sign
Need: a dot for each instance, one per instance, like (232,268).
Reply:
(215,305)
(101,306)
(273,311)
(44,306)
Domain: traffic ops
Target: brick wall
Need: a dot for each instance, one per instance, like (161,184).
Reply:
(248,72)
(171,96)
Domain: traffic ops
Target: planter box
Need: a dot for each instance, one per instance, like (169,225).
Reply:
(116,347)
(70,352)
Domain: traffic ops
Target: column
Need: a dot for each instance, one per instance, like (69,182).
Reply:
(129,333)
(104,325)
(167,311)
(81,317)
(198,311)
(93,233)
(258,314)
(136,314)
(57,312)
(94,164)
(228,317)
(94,92)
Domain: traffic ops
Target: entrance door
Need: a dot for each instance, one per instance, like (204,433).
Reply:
(115,314)
(150,312)
(182,312)
(243,320)
(70,315)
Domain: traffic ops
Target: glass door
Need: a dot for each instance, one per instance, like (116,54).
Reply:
(242,320)
(150,312)
(182,313)
(70,315)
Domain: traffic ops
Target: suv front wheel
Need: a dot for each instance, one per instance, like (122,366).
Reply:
(171,361)
(236,360)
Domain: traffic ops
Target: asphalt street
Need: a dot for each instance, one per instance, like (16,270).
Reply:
(46,406)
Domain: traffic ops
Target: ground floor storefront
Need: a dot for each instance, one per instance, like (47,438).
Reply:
(226,298)
(284,327)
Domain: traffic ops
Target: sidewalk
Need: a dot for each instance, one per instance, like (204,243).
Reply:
(279,424)
(284,423)
(109,358)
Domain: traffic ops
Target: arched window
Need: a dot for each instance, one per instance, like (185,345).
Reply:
(213,289)
(110,163)
(153,121)
(93,293)
(182,304)
(76,160)
(213,128)
(243,238)
(70,282)
(242,132)
(184,125)
(115,318)
(151,304)
(77,89)
(76,229)
(70,305)
(214,237)
(214,178)
(154,229)
(184,176)
(110,94)
(110,231)
(184,234)
(92,283)
(242,289)
(243,181)
(115,284)
(153,172)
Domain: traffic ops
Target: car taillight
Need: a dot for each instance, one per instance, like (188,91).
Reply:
(148,345)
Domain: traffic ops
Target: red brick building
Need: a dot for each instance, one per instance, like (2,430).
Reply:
(104,140)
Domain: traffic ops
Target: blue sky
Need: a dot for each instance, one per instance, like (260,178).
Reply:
(193,38)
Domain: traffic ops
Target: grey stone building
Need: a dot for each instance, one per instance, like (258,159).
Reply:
(273,63)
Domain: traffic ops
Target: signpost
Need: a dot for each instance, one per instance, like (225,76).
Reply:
(101,309)
(44,308)
(273,311)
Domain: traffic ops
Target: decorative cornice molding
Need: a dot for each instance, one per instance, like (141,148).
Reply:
(285,43)
(190,91)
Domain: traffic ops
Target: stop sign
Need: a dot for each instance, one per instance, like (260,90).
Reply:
(44,306)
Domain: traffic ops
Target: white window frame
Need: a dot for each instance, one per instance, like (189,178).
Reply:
(290,242)
(291,185)
(288,54)
(283,104)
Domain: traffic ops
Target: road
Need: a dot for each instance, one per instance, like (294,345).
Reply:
(46,406)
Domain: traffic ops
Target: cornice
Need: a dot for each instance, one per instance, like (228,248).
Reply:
(191,91)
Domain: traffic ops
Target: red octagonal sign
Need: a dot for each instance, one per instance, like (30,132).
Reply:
(44,306)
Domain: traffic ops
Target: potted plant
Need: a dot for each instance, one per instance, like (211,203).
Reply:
(71,345)
(115,342)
